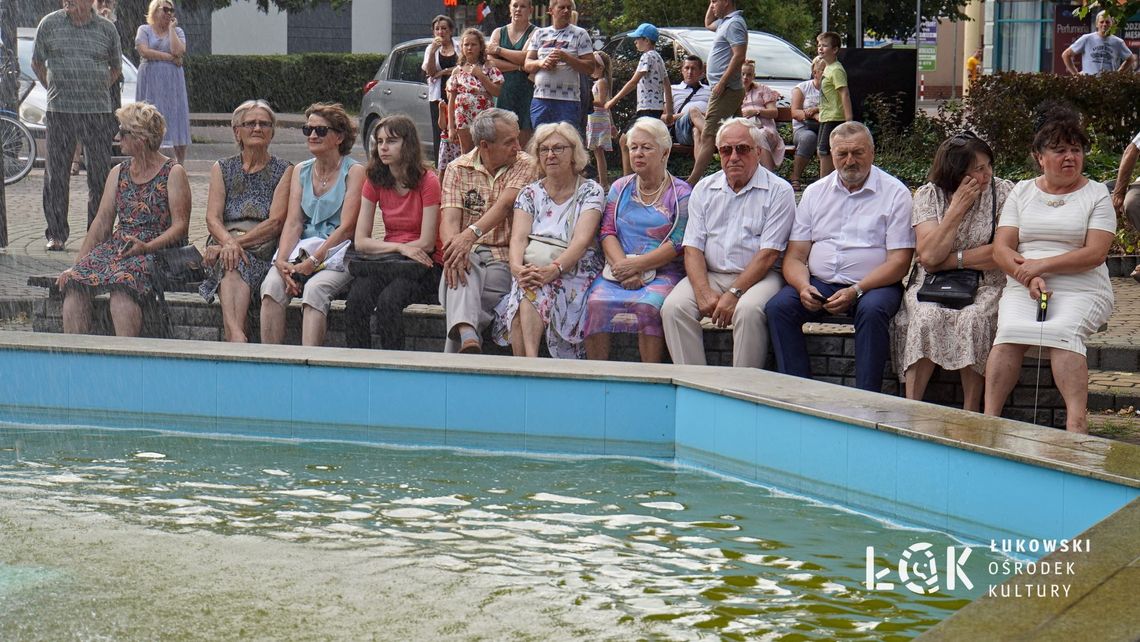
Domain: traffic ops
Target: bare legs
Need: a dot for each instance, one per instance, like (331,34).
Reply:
(703,151)
(272,321)
(825,165)
(526,330)
(1070,373)
(918,376)
(652,348)
(603,171)
(233,293)
(466,143)
(126,315)
(799,164)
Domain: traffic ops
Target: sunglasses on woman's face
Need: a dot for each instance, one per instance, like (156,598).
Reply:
(124,132)
(321,130)
(168,9)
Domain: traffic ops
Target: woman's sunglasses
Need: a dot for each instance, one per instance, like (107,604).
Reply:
(321,130)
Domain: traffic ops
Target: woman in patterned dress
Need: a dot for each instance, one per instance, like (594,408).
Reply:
(953,224)
(564,209)
(472,88)
(760,105)
(642,230)
(245,211)
(150,196)
(162,82)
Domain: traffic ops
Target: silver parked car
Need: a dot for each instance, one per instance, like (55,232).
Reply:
(33,110)
(399,87)
(779,64)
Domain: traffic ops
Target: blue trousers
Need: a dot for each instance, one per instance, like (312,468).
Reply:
(545,110)
(872,312)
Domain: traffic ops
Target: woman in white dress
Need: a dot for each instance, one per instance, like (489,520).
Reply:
(554,250)
(1054,234)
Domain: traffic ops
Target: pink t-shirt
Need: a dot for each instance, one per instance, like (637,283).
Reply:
(404,215)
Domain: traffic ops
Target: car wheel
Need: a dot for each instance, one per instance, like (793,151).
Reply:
(370,133)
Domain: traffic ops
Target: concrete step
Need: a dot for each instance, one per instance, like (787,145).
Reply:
(1113,389)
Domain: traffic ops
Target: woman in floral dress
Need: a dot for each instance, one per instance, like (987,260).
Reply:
(642,229)
(472,88)
(760,105)
(150,196)
(563,211)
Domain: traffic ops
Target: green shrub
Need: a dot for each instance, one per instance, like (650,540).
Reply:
(290,83)
(1000,109)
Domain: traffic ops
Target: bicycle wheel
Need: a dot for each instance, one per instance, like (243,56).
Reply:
(19,149)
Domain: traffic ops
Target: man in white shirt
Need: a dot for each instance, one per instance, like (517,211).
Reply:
(690,98)
(1099,51)
(849,249)
(739,220)
(556,55)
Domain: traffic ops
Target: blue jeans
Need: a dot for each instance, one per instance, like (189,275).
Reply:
(545,110)
(683,130)
(872,312)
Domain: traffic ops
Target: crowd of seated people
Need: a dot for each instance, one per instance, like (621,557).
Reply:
(521,247)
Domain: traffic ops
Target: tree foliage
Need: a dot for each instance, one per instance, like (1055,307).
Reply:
(886,18)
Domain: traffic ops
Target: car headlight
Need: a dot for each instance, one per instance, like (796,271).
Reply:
(32,114)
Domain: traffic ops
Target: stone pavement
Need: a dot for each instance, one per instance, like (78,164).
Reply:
(1114,355)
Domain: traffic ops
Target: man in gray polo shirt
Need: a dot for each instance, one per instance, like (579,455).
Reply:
(77,57)
(725,60)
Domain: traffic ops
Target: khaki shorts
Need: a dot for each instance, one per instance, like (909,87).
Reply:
(720,109)
(317,293)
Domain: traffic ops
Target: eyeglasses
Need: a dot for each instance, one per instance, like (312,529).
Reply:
(124,132)
(557,150)
(740,150)
(168,9)
(254,124)
(321,130)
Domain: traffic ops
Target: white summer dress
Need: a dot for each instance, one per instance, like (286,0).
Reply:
(1048,225)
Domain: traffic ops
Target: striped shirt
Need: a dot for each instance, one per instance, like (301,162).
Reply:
(79,60)
(469,186)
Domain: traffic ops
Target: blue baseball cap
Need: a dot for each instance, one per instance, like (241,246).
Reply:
(645,30)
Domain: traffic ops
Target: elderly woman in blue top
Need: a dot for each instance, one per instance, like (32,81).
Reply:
(324,201)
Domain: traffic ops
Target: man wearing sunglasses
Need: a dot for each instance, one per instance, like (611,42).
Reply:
(78,59)
(850,247)
(739,221)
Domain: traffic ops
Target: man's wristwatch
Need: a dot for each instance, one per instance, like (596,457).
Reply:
(475,228)
(736,292)
(858,291)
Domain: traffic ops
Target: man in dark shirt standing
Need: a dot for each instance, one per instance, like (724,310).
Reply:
(77,58)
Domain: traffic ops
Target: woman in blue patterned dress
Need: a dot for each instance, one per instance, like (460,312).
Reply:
(642,230)
(559,215)
(161,45)
(245,211)
(150,196)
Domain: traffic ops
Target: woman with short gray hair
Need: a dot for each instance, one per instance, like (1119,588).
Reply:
(553,251)
(245,211)
(642,229)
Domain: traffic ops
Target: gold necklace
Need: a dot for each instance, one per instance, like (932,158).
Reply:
(646,200)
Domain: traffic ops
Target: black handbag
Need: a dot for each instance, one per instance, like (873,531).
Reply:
(955,289)
(175,265)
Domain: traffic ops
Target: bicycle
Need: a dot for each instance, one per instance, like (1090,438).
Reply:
(16,141)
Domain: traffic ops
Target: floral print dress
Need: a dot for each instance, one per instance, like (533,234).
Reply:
(756,98)
(143,211)
(561,303)
(470,95)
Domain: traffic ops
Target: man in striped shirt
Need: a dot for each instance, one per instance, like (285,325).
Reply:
(77,58)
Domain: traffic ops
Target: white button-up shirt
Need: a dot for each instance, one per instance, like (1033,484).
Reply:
(731,227)
(851,232)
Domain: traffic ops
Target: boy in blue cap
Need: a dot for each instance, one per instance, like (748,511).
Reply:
(650,78)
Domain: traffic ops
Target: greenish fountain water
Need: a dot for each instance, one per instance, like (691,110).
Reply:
(146,535)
